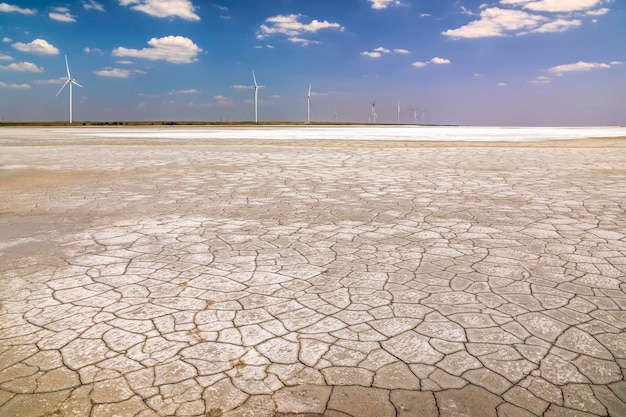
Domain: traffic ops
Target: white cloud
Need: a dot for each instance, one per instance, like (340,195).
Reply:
(14,86)
(555,6)
(383,4)
(21,67)
(9,8)
(183,9)
(371,54)
(501,84)
(240,87)
(190,91)
(38,47)
(4,57)
(174,49)
(62,14)
(558,25)
(579,66)
(378,52)
(541,80)
(495,21)
(598,12)
(93,5)
(523,17)
(114,72)
(93,50)
(59,80)
(436,61)
(439,61)
(222,101)
(290,26)
(7,40)
(302,41)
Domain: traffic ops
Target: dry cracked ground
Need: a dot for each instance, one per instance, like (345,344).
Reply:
(295,279)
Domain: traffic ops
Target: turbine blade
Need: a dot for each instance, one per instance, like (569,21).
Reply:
(254,78)
(61,89)
(75,83)
(67,67)
(309,95)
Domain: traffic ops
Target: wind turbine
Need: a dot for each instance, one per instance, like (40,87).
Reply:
(336,117)
(374,115)
(69,81)
(398,112)
(256,98)
(308,106)
(415,115)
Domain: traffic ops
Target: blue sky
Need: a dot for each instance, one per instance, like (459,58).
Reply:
(506,62)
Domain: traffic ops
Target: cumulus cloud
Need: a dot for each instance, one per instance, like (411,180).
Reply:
(114,72)
(378,52)
(62,14)
(383,4)
(183,9)
(435,61)
(495,21)
(189,91)
(555,6)
(290,26)
(174,49)
(21,67)
(439,61)
(578,66)
(541,80)
(38,47)
(9,8)
(522,17)
(4,57)
(14,86)
(59,80)
(93,5)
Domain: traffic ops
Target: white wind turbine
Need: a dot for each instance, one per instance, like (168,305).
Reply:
(69,81)
(308,106)
(256,97)
(398,112)
(374,115)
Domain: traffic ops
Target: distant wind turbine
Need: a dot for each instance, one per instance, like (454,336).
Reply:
(398,112)
(374,115)
(69,81)
(256,97)
(415,115)
(308,106)
(336,117)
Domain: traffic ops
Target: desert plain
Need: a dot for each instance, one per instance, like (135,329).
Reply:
(164,275)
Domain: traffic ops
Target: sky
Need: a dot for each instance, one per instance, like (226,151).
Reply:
(499,63)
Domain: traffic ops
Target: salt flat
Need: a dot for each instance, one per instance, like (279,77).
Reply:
(170,272)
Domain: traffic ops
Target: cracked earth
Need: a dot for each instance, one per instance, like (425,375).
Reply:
(237,279)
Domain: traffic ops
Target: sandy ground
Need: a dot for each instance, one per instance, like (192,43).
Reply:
(143,277)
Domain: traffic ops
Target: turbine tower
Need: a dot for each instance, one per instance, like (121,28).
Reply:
(69,81)
(308,106)
(398,112)
(374,115)
(256,98)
